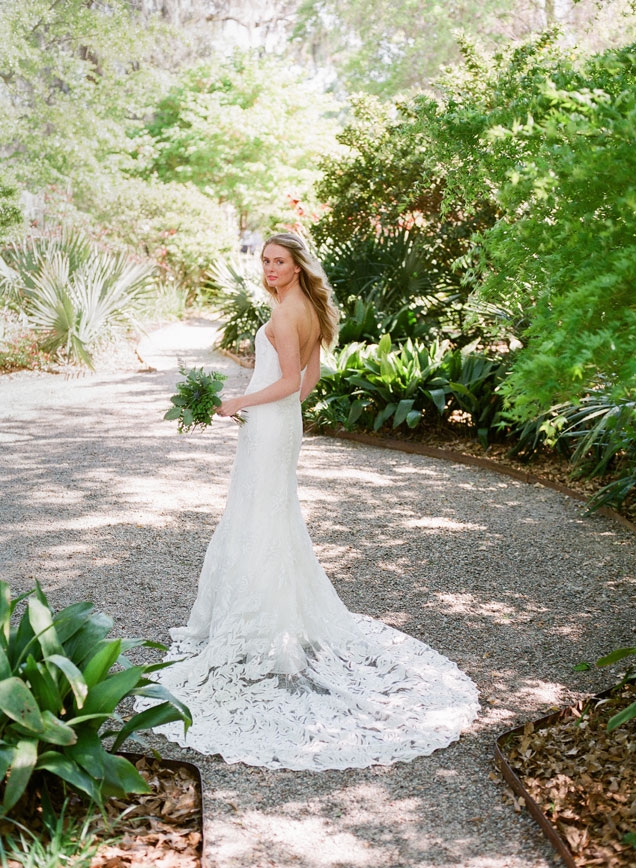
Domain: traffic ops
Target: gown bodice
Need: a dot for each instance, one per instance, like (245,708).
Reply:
(266,365)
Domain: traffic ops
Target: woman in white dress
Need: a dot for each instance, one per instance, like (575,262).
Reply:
(275,669)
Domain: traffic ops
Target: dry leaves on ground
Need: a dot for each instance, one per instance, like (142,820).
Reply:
(583,778)
(162,828)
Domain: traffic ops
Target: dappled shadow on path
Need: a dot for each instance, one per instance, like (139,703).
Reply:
(507,579)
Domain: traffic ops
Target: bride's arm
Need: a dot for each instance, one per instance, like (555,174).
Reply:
(285,329)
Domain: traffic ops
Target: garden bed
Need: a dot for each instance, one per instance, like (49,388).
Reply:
(161,828)
(577,779)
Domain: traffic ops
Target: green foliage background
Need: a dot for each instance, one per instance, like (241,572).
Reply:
(247,131)
(480,190)
(525,167)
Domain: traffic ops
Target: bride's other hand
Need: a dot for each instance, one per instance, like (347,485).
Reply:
(231,407)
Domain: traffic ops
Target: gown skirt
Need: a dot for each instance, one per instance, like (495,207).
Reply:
(274,668)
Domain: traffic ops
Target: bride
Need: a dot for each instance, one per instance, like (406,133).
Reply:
(274,668)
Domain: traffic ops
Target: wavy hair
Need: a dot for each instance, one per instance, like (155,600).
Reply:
(313,282)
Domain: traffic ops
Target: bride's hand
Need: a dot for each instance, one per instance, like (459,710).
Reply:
(231,407)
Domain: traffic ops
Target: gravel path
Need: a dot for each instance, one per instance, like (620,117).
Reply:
(101,500)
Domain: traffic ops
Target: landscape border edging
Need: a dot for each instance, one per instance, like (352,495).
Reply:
(515,783)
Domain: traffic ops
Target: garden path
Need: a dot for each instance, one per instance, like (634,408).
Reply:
(102,500)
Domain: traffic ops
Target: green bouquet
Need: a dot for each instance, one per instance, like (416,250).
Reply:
(197,399)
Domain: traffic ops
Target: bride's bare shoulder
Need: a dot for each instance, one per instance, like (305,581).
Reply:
(294,312)
(283,315)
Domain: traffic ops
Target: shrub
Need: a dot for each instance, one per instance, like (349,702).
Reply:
(242,302)
(59,688)
(73,293)
(371,386)
(18,345)
(392,281)
(10,213)
(181,228)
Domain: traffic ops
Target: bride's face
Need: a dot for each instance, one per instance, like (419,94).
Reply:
(279,268)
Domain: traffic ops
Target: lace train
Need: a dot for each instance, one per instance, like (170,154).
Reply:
(385,697)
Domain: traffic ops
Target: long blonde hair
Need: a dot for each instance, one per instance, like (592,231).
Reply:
(313,282)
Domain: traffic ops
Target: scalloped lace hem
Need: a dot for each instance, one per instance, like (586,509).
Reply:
(383,698)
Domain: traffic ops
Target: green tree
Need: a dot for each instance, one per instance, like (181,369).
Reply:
(72,81)
(542,142)
(389,47)
(248,132)
(390,182)
(385,48)
(550,138)
(565,253)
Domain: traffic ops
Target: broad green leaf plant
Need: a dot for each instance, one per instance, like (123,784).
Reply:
(629,712)
(376,385)
(61,680)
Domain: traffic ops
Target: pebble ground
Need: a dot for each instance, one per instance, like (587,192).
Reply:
(102,500)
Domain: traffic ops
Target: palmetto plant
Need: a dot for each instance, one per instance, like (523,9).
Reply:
(598,435)
(73,293)
(61,680)
(390,269)
(603,430)
(242,303)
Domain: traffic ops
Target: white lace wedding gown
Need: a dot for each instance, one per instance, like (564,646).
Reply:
(275,670)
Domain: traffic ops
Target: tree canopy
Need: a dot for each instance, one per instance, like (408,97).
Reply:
(73,78)
(248,131)
(392,47)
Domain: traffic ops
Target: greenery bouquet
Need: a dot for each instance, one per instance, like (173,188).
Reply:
(197,399)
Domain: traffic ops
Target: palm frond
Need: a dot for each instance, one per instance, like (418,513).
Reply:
(72,292)
(242,302)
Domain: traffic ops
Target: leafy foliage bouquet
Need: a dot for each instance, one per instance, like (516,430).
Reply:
(197,399)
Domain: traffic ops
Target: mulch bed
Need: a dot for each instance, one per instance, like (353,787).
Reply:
(162,828)
(582,778)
